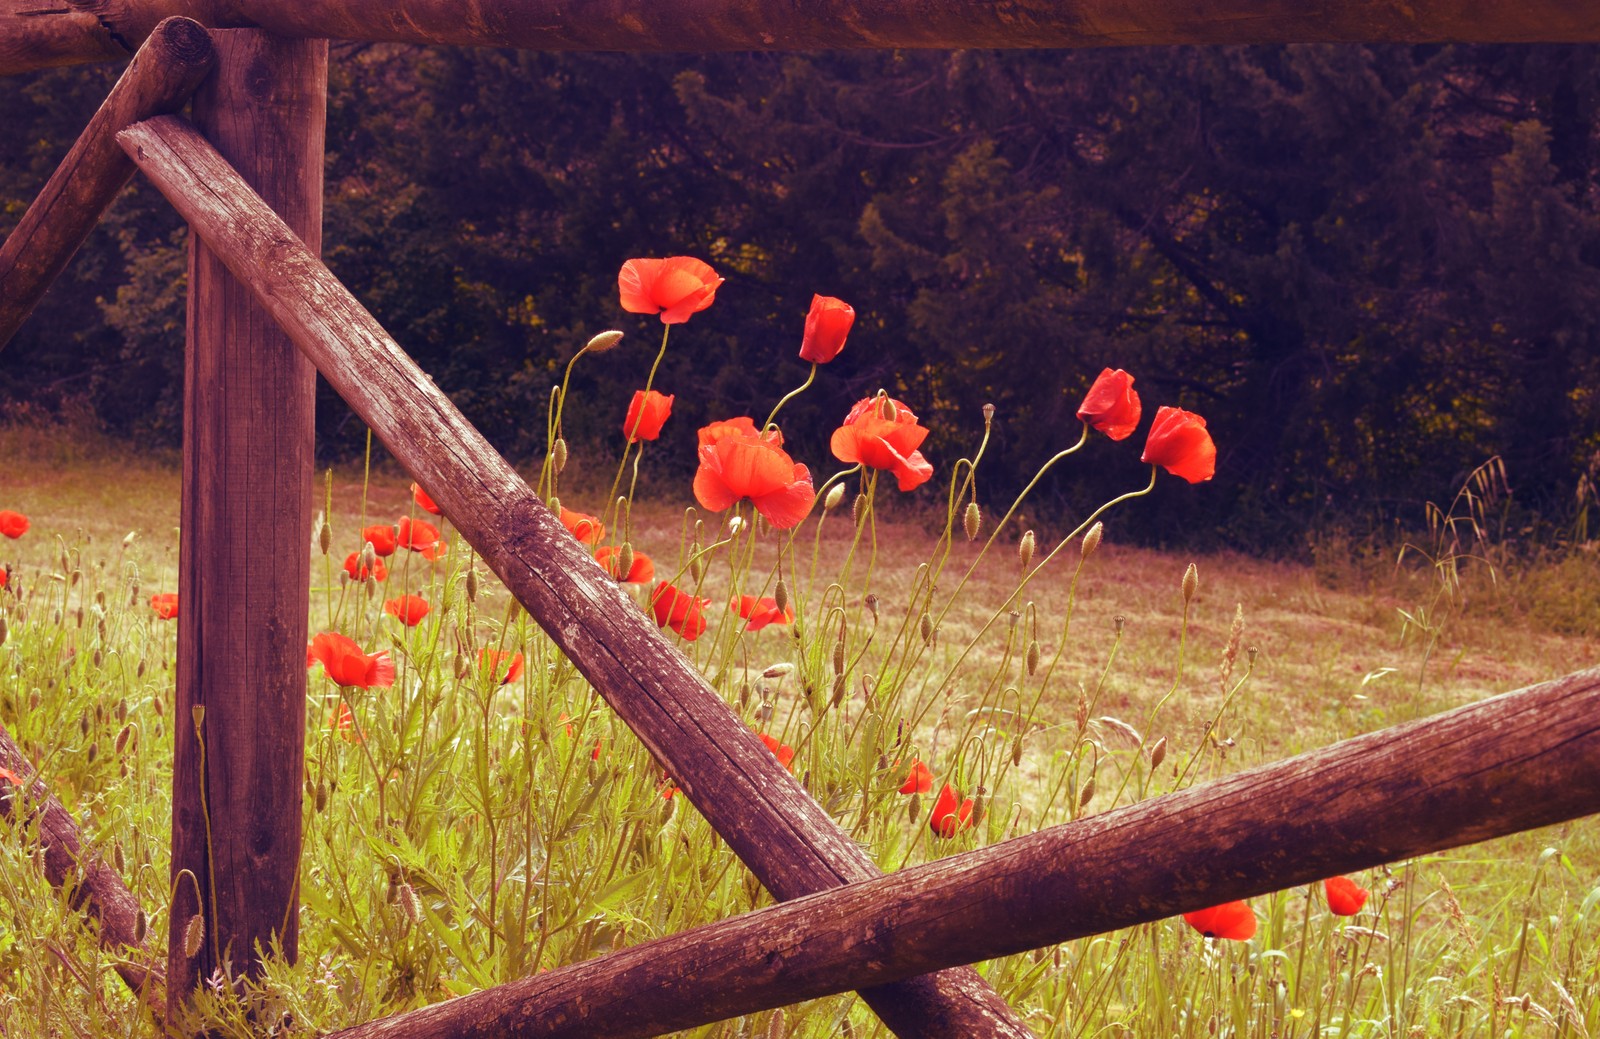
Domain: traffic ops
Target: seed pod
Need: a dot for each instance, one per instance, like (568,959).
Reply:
(838,657)
(886,409)
(1091,540)
(197,714)
(194,932)
(602,341)
(834,496)
(972,521)
(472,584)
(988,415)
(1033,657)
(1118,621)
(558,456)
(1025,548)
(780,595)
(1158,753)
(871,603)
(1191,583)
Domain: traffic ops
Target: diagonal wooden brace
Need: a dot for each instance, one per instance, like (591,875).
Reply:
(167,69)
(789,842)
(1513,762)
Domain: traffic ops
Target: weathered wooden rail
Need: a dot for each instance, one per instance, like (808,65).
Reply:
(1518,761)
(34,33)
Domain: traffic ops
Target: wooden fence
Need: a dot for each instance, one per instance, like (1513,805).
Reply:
(264,313)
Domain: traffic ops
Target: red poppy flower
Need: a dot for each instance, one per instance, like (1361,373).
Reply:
(344,722)
(647,413)
(641,571)
(782,751)
(1234,921)
(586,528)
(11,777)
(760,612)
(410,609)
(346,665)
(491,659)
(381,538)
(357,572)
(951,814)
(744,425)
(919,781)
(1180,444)
(883,434)
(424,502)
(1345,896)
(678,611)
(13,524)
(420,536)
(827,325)
(5,576)
(675,287)
(1111,405)
(165,604)
(753,465)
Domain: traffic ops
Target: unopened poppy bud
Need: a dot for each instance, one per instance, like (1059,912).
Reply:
(472,585)
(410,904)
(558,456)
(369,555)
(123,737)
(80,616)
(194,932)
(624,560)
(553,503)
(4,631)
(141,925)
(344,578)
(744,695)
(1087,792)
(99,658)
(1158,753)
(778,671)
(971,522)
(1016,750)
(980,804)
(372,586)
(735,525)
(775,1025)
(780,595)
(696,568)
(321,799)
(129,538)
(838,691)
(1033,657)
(887,410)
(838,657)
(94,751)
(325,537)
(1091,541)
(602,342)
(834,496)
(1025,548)
(926,628)
(858,509)
(914,809)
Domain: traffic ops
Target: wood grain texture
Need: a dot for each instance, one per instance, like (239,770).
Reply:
(167,69)
(245,553)
(39,34)
(769,820)
(1517,761)
(98,890)
(722,25)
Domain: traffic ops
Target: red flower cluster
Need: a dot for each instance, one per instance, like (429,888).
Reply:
(675,287)
(882,433)
(738,461)
(357,572)
(678,611)
(345,664)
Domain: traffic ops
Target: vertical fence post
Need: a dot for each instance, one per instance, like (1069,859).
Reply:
(244,564)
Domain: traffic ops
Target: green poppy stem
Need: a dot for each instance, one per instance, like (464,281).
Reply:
(787,397)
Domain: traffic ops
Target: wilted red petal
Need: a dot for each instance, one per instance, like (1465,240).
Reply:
(827,325)
(1234,921)
(1345,896)
(1111,405)
(1180,444)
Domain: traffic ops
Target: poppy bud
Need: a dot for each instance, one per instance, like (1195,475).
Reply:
(1025,548)
(926,628)
(971,521)
(775,1025)
(99,658)
(83,723)
(838,691)
(858,508)
(871,602)
(834,496)
(80,616)
(778,671)
(979,805)
(321,799)
(472,585)
(410,904)
(325,537)
(780,596)
(94,750)
(1033,657)
(4,631)
(141,924)
(194,932)
(696,568)
(744,695)
(887,410)
(1191,583)
(602,342)
(1016,749)
(122,710)
(558,456)
(914,808)
(123,737)
(1158,753)
(344,578)
(1087,793)
(624,560)
(735,525)
(372,586)
(1091,541)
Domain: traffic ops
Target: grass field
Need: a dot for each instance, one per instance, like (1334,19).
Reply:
(525,829)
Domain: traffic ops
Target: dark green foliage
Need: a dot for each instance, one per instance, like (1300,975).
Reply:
(1370,268)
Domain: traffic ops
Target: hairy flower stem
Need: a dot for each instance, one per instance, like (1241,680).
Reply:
(622,464)
(787,397)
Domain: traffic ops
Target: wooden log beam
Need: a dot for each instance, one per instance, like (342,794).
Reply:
(1525,759)
(167,69)
(791,844)
(722,25)
(244,566)
(98,890)
(38,34)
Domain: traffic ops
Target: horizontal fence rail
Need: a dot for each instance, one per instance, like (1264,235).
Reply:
(724,25)
(167,69)
(789,842)
(1524,759)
